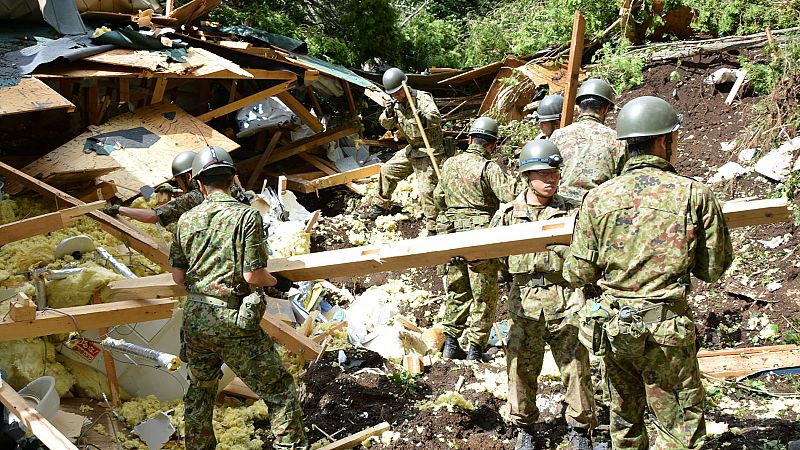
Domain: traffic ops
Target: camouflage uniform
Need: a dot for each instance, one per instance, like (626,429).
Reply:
(413,158)
(592,155)
(470,191)
(171,211)
(640,236)
(215,243)
(540,314)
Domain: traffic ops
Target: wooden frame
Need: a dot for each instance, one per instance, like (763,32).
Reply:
(45,223)
(298,147)
(573,68)
(301,111)
(249,100)
(33,421)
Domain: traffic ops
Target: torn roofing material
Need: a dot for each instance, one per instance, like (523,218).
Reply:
(333,70)
(62,15)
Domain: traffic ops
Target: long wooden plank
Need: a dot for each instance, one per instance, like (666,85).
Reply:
(573,68)
(746,350)
(87,317)
(31,95)
(139,241)
(346,177)
(356,439)
(143,288)
(249,100)
(295,342)
(329,168)
(33,421)
(262,160)
(298,147)
(45,223)
(474,73)
(740,365)
(301,111)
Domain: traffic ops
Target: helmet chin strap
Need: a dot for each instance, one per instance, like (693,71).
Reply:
(668,143)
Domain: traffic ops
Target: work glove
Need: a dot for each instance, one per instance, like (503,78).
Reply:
(166,188)
(283,284)
(390,108)
(458,260)
(112,210)
(422,119)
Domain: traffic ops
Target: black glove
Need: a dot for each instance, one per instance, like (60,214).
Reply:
(283,284)
(422,119)
(458,260)
(390,108)
(112,210)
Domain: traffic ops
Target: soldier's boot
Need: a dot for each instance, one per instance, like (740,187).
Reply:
(375,212)
(451,349)
(526,439)
(579,439)
(474,353)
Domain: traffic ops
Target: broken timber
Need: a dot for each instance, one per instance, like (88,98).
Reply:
(573,68)
(298,147)
(741,362)
(356,439)
(33,421)
(45,223)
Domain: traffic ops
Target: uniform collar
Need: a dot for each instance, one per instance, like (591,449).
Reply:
(522,208)
(479,149)
(643,161)
(594,117)
(220,197)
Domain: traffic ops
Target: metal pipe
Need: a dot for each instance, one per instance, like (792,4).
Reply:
(118,266)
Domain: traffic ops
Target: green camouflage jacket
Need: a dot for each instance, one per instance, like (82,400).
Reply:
(592,155)
(550,299)
(216,243)
(471,188)
(404,120)
(641,235)
(171,211)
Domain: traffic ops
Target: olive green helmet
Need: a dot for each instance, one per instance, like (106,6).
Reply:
(647,116)
(182,163)
(550,108)
(597,88)
(212,161)
(539,154)
(484,127)
(393,80)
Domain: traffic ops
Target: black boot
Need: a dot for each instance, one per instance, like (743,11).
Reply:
(474,353)
(375,212)
(579,439)
(451,349)
(526,439)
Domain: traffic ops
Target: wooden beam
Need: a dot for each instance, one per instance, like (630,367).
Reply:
(159,89)
(93,103)
(330,169)
(139,241)
(238,388)
(108,361)
(314,100)
(287,336)
(350,101)
(737,86)
(474,73)
(573,68)
(101,191)
(298,147)
(249,100)
(262,160)
(232,91)
(301,111)
(346,177)
(87,317)
(356,439)
(33,421)
(142,288)
(32,95)
(735,363)
(45,223)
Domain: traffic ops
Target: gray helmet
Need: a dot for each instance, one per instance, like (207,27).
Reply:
(182,163)
(647,116)
(484,127)
(550,108)
(539,154)
(596,87)
(393,80)
(212,161)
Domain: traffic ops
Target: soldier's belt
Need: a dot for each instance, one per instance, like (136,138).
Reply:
(213,301)
(536,279)
(658,312)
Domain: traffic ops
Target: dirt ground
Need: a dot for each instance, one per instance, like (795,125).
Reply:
(347,399)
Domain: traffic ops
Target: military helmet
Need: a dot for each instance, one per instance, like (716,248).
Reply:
(182,163)
(550,108)
(485,127)
(393,80)
(539,154)
(212,161)
(647,116)
(595,87)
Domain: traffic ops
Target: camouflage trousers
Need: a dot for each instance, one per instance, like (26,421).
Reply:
(526,341)
(471,303)
(400,167)
(667,380)
(213,338)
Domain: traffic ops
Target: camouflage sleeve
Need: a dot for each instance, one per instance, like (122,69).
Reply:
(386,121)
(171,211)
(255,250)
(620,157)
(714,252)
(502,184)
(580,266)
(427,107)
(177,258)
(438,197)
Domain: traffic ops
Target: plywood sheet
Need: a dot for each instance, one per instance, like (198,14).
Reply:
(31,95)
(143,59)
(135,167)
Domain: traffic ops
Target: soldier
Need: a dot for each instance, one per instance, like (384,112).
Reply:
(539,307)
(548,115)
(413,158)
(592,154)
(169,212)
(219,254)
(640,236)
(470,191)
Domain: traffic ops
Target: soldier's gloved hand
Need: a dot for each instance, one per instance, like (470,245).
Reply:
(458,260)
(422,119)
(390,108)
(112,210)
(283,284)
(166,188)
(560,250)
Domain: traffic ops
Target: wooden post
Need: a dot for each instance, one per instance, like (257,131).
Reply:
(773,50)
(314,100)
(428,148)
(262,161)
(573,68)
(232,96)
(108,361)
(349,94)
(301,111)
(22,310)
(624,16)
(93,103)
(158,90)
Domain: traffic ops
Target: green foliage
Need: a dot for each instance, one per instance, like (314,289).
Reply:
(275,16)
(742,16)
(622,70)
(429,41)
(406,379)
(514,135)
